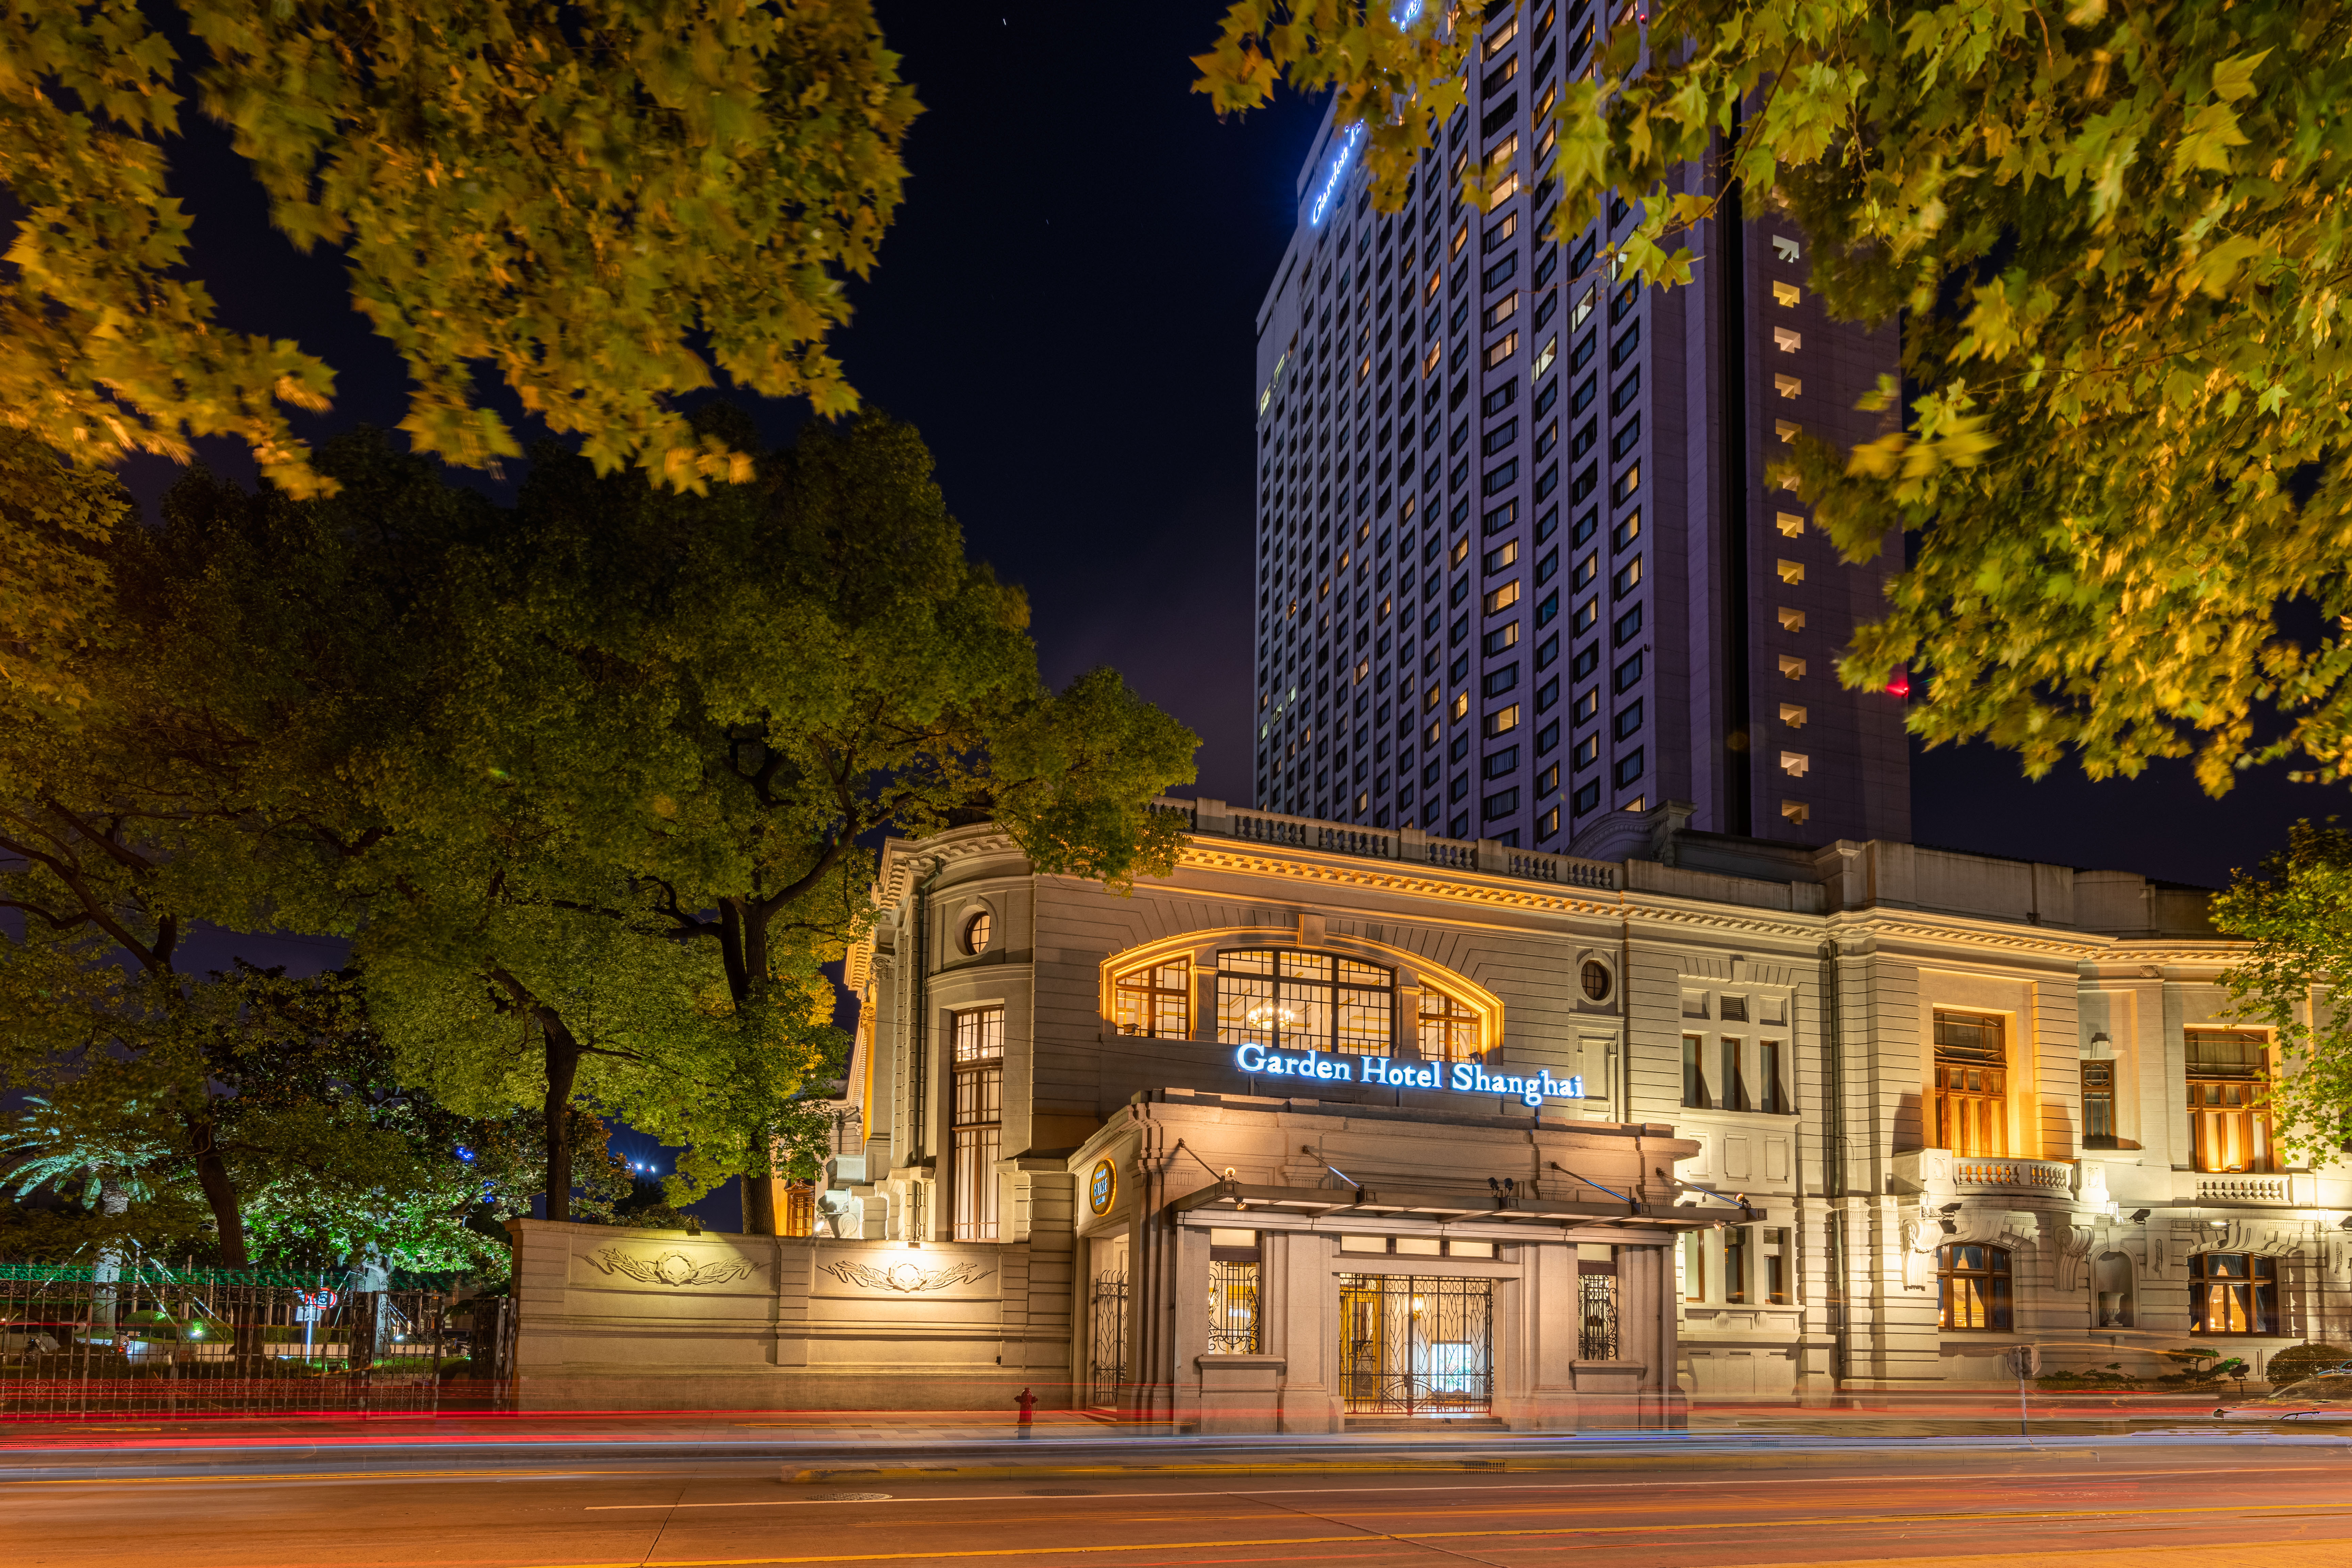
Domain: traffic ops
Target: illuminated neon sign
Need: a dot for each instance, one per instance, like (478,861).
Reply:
(1331,181)
(1455,1078)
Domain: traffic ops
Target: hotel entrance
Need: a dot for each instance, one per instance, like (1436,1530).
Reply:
(1413,1344)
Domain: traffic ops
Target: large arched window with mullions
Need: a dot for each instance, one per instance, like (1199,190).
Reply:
(1298,999)
(1291,1001)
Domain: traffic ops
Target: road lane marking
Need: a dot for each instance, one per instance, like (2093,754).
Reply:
(1410,1536)
(2037,1477)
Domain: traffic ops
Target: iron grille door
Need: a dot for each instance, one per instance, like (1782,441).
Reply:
(1597,1316)
(1414,1344)
(1233,1309)
(1107,1348)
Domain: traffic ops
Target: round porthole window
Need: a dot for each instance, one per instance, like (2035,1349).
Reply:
(975,932)
(1596,980)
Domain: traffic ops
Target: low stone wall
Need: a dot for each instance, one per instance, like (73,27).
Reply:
(643,1319)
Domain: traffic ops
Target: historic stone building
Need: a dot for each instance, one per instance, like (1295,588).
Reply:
(1335,1125)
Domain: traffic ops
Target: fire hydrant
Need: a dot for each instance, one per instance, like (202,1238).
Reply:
(1028,1402)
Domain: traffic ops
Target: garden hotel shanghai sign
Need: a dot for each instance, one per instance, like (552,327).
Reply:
(1453,1078)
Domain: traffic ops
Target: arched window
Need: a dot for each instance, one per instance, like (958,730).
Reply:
(2232,1293)
(1972,1288)
(1155,1000)
(1295,1001)
(1449,1028)
(976,929)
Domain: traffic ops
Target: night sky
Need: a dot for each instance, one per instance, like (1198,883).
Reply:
(1065,309)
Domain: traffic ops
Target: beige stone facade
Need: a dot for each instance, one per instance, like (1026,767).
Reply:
(1700,1146)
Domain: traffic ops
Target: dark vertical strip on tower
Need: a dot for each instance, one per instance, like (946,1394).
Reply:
(1731,236)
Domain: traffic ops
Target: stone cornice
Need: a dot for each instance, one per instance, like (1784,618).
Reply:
(1398,878)
(1967,930)
(1312,871)
(904,860)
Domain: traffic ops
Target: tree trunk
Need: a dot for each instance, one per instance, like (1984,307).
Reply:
(563,1071)
(220,1193)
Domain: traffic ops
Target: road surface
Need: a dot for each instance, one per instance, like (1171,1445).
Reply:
(2145,1502)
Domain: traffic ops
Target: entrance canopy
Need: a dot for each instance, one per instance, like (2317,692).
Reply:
(1314,1203)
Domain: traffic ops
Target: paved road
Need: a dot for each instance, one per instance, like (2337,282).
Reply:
(2255,1502)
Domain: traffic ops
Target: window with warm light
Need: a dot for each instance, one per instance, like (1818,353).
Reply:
(1971,1108)
(1155,1000)
(2228,1081)
(1293,1001)
(978,1044)
(1449,1027)
(1234,1258)
(2232,1293)
(1972,1290)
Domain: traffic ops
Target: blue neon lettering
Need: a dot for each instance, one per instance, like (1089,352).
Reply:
(1331,181)
(1465,1077)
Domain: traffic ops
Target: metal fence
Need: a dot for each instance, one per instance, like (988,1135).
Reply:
(145,1339)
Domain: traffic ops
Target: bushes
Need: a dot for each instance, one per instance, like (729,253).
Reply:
(2299,1361)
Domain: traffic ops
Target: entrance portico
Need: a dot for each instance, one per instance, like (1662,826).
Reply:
(1298,1266)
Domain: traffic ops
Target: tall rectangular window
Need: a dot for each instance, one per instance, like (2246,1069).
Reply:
(2228,1081)
(979,1109)
(1694,1245)
(1694,1074)
(2099,1105)
(1778,1265)
(1972,1084)
(1773,1100)
(1734,1263)
(1735,1083)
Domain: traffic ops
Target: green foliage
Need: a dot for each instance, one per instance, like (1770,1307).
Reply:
(2116,239)
(2297,912)
(2110,1378)
(624,813)
(2296,1362)
(572,196)
(588,784)
(53,584)
(281,1083)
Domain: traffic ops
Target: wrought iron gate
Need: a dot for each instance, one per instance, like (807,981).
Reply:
(1106,1343)
(1413,1344)
(1597,1314)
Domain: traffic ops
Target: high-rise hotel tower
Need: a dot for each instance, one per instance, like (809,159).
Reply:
(1519,568)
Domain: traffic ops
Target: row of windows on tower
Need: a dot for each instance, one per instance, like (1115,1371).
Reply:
(1295,620)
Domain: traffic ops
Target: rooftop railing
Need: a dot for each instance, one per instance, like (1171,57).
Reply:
(1409,845)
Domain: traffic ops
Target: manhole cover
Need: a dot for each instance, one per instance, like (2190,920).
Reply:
(851,1497)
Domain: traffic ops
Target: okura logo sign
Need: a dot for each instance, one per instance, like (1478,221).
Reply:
(1453,1078)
